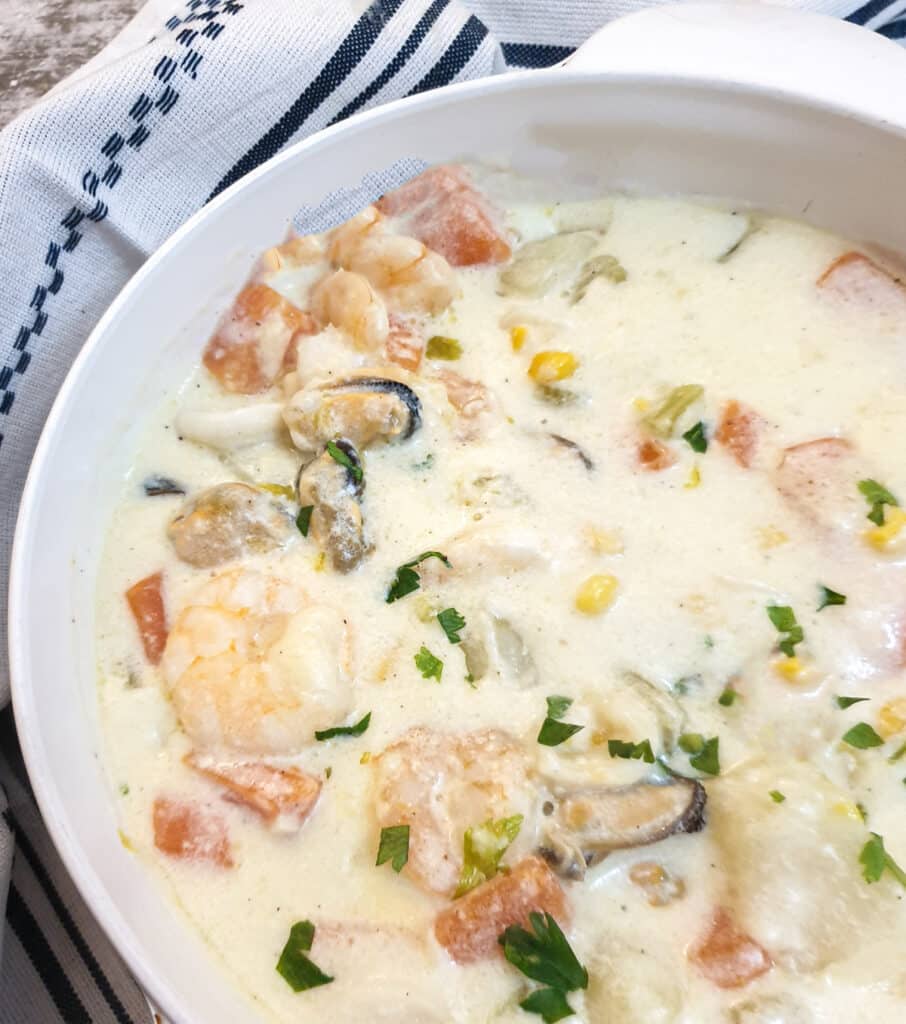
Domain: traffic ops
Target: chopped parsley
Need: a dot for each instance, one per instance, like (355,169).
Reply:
(696,439)
(862,736)
(394,846)
(554,732)
(338,455)
(829,597)
(558,706)
(429,666)
(875,860)
(631,751)
(877,496)
(550,1003)
(847,702)
(294,966)
(728,698)
(344,730)
(451,622)
(784,620)
(544,955)
(777,796)
(704,754)
(482,848)
(407,579)
(303,519)
(439,347)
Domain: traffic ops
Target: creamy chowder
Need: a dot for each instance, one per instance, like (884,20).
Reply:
(508,620)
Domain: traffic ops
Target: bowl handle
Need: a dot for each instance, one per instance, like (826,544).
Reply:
(810,56)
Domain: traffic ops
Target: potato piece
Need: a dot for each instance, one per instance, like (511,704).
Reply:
(470,927)
(185,831)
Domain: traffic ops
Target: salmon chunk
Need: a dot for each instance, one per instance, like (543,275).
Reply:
(445,211)
(819,480)
(854,278)
(185,831)
(403,345)
(727,956)
(738,432)
(146,603)
(249,348)
(284,797)
(470,927)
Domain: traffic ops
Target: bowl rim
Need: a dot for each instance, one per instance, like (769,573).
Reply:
(85,875)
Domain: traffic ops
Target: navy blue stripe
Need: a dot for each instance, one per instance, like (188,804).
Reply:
(868,11)
(455,57)
(24,846)
(534,55)
(895,30)
(406,51)
(44,960)
(344,61)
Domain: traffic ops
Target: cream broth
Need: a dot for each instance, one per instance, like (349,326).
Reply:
(654,553)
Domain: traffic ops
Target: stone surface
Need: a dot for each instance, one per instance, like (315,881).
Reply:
(42,41)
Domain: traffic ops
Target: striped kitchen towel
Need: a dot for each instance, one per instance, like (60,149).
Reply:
(190,97)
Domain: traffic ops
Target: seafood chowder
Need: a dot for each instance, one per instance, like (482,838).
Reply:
(507,622)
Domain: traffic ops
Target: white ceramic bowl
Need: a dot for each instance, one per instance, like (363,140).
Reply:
(792,113)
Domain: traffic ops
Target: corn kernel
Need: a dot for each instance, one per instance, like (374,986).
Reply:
(892,718)
(603,541)
(845,809)
(596,594)
(695,478)
(551,366)
(518,334)
(125,841)
(320,561)
(887,536)
(365,758)
(770,537)
(640,404)
(793,670)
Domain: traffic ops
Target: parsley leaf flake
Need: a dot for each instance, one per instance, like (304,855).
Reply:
(294,966)
(407,578)
(451,622)
(429,666)
(394,846)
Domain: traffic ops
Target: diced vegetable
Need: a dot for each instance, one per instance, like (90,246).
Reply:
(854,278)
(247,350)
(551,366)
(538,266)
(738,432)
(444,210)
(727,956)
(606,266)
(186,831)
(146,602)
(597,593)
(470,927)
(662,419)
(440,347)
(282,796)
(659,886)
(483,847)
(654,455)
(892,717)
(429,666)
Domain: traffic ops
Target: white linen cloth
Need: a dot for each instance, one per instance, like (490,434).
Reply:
(191,96)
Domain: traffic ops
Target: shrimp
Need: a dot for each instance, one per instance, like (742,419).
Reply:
(411,276)
(348,301)
(253,667)
(441,784)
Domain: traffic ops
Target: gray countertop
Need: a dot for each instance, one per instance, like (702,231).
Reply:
(42,41)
